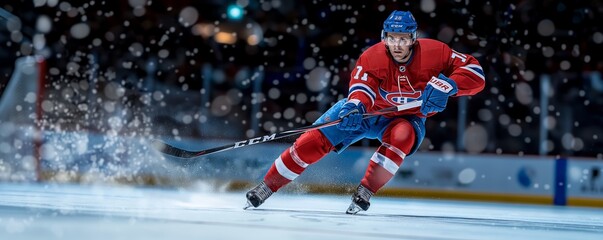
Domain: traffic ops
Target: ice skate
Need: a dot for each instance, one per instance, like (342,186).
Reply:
(360,200)
(257,195)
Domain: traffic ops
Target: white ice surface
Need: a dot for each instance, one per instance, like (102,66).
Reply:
(41,211)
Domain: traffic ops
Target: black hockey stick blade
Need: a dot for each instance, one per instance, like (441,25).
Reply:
(183,153)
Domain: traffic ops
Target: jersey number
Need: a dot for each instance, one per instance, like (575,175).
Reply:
(364,75)
(456,54)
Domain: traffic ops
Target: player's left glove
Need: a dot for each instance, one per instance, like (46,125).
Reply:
(436,93)
(351,115)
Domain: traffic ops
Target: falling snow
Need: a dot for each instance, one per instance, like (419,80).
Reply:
(189,71)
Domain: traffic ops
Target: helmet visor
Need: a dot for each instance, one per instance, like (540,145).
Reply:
(403,40)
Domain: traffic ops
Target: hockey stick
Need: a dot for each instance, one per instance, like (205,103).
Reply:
(182,153)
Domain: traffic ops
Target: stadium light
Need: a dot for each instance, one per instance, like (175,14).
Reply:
(234,12)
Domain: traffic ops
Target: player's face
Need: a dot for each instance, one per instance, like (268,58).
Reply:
(399,45)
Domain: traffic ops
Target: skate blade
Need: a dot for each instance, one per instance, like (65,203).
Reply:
(247,205)
(353,209)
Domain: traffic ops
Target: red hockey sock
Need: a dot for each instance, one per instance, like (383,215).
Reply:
(398,140)
(307,149)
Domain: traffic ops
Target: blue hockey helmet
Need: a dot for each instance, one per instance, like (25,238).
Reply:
(400,22)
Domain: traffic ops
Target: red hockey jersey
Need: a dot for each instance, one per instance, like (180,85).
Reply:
(380,82)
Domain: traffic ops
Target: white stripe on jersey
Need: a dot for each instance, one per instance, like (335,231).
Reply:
(385,162)
(365,89)
(470,67)
(283,170)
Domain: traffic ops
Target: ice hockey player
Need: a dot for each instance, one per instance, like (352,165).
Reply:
(397,70)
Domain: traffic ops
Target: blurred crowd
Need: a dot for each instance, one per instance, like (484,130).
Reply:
(163,68)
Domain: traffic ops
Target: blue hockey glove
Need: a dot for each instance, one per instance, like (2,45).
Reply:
(351,115)
(436,93)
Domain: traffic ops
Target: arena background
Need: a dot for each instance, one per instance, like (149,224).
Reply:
(202,73)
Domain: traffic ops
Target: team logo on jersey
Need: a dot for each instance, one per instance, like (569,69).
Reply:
(397,97)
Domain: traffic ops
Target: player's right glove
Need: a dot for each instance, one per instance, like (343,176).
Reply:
(436,93)
(351,115)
